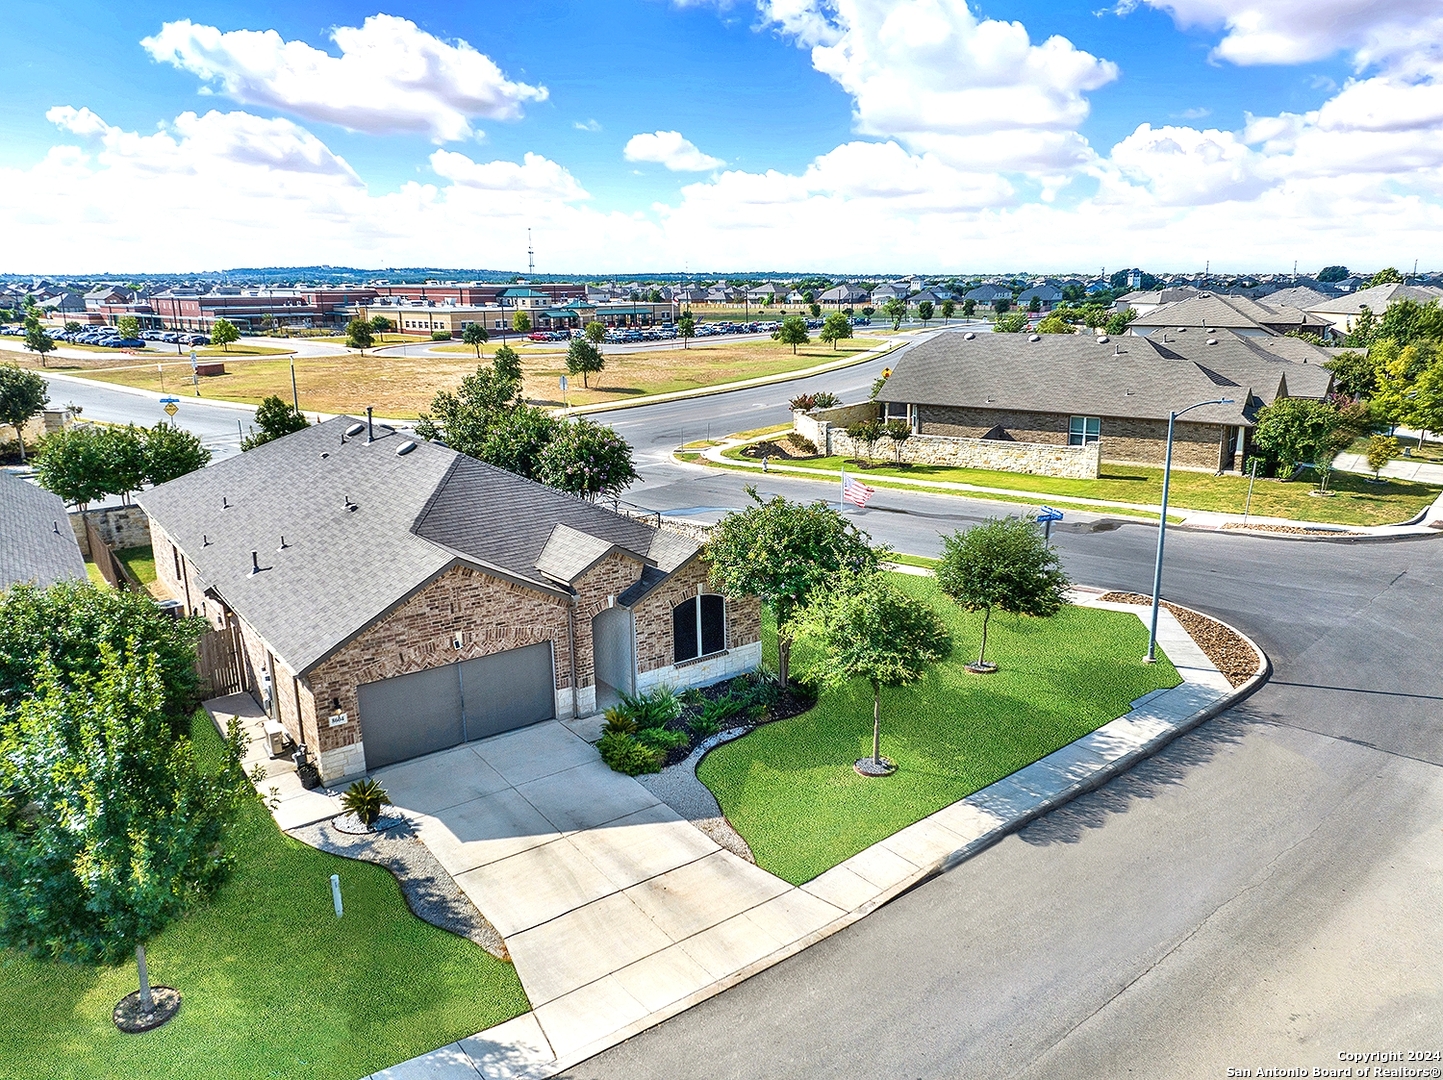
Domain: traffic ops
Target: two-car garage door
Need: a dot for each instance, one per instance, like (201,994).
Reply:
(431,710)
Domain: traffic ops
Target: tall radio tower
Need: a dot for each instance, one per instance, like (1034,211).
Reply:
(530,256)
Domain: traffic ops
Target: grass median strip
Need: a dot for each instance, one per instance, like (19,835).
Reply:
(1356,499)
(273,983)
(789,787)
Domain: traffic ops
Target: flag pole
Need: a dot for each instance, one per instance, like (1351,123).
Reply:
(842,493)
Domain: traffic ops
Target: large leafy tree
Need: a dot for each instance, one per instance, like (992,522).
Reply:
(275,418)
(1407,322)
(837,327)
(109,829)
(171,452)
(1003,564)
(1387,276)
(507,365)
(466,418)
(1118,322)
(587,459)
(69,625)
(949,308)
(359,334)
(1296,431)
(1354,373)
(584,358)
(865,627)
(595,332)
(895,308)
(1010,322)
(782,552)
(925,311)
(521,322)
(793,332)
(474,334)
(224,333)
(22,395)
(123,460)
(70,463)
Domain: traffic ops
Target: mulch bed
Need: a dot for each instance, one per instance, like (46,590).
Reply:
(131,1018)
(785,449)
(1228,650)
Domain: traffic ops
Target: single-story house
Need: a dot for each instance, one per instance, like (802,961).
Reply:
(844,295)
(37,542)
(1047,296)
(1344,311)
(392,597)
(1212,311)
(1146,301)
(1074,389)
(987,295)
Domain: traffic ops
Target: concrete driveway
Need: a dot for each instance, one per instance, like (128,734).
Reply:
(613,907)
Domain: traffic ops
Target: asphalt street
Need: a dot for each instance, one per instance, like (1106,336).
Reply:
(1264,893)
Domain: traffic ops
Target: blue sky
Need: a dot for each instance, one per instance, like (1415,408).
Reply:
(781,127)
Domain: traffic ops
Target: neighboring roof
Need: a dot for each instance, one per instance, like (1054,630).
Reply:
(1299,296)
(1377,298)
(1044,293)
(1209,310)
(1169,295)
(365,527)
(1081,375)
(37,543)
(985,294)
(1252,362)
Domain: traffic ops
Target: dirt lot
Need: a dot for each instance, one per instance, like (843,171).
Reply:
(403,386)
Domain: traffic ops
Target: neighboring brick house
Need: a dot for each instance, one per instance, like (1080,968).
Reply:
(1074,389)
(393,598)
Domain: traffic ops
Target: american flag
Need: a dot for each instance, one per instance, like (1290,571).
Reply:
(856,492)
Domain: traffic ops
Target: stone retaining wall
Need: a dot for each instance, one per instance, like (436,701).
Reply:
(119,526)
(1038,459)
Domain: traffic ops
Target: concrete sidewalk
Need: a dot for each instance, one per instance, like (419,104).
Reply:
(1423,472)
(680,962)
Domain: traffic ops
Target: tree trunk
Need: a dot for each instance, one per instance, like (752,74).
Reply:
(784,658)
(982,652)
(146,1001)
(876,723)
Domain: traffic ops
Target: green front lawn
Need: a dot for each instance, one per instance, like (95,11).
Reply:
(274,985)
(789,787)
(1357,500)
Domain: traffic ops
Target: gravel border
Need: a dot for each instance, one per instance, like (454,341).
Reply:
(1229,651)
(431,893)
(678,787)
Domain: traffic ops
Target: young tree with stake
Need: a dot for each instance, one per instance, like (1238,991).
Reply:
(1004,563)
(225,334)
(865,627)
(475,334)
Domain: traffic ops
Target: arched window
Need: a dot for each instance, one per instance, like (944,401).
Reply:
(699,627)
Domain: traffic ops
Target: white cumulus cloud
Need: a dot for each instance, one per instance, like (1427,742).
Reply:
(536,175)
(670,149)
(391,77)
(933,75)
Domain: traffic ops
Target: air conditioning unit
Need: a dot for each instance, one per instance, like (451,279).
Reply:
(174,608)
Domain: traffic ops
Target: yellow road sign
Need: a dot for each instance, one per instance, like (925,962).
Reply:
(171,408)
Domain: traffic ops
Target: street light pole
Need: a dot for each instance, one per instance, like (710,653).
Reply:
(1151,656)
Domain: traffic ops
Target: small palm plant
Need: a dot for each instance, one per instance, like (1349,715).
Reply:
(365,798)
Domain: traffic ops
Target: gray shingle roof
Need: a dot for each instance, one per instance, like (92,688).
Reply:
(1079,375)
(569,553)
(1230,312)
(37,543)
(364,527)
(1377,298)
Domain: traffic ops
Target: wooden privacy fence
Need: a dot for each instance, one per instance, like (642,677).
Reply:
(115,572)
(218,662)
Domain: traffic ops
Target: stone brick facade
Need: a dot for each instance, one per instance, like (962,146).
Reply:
(119,526)
(1123,439)
(462,614)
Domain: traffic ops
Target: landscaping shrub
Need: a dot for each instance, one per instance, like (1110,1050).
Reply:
(619,722)
(803,444)
(655,708)
(662,738)
(625,754)
(701,728)
(440,335)
(365,798)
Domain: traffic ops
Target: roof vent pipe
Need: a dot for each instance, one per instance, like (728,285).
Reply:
(370,432)
(284,545)
(255,564)
(224,503)
(55,524)
(204,540)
